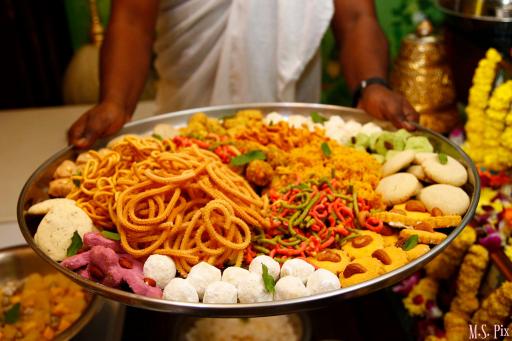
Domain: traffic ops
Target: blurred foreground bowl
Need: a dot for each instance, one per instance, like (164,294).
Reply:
(18,262)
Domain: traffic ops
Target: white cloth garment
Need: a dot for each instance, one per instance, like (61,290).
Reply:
(213,52)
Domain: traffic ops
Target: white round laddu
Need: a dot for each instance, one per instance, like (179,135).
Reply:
(161,268)
(252,290)
(272,265)
(201,275)
(220,292)
(180,290)
(234,275)
(322,281)
(290,287)
(298,268)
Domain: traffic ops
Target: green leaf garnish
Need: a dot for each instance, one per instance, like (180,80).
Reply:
(325,149)
(244,159)
(268,281)
(158,137)
(110,235)
(13,314)
(411,242)
(443,158)
(76,244)
(76,182)
(317,118)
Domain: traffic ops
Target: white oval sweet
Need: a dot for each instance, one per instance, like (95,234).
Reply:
(54,233)
(397,188)
(252,290)
(161,268)
(452,173)
(180,290)
(298,268)
(165,130)
(397,162)
(417,171)
(201,275)
(273,118)
(322,281)
(290,287)
(234,275)
(449,199)
(272,265)
(220,292)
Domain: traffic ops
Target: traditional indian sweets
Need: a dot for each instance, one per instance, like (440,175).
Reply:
(250,208)
(39,307)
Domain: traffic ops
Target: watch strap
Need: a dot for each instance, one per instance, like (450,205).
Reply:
(364,84)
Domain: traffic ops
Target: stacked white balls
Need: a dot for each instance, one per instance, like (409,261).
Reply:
(205,283)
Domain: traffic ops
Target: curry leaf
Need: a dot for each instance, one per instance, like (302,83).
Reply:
(76,244)
(244,159)
(110,235)
(13,314)
(268,280)
(325,149)
(158,137)
(411,242)
(443,158)
(317,118)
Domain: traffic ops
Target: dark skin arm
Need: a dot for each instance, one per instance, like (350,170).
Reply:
(124,64)
(364,54)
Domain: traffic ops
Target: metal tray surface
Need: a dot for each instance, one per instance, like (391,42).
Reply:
(35,190)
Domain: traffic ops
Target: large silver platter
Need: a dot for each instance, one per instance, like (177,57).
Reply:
(35,190)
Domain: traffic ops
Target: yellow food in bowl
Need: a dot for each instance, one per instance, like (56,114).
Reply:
(40,308)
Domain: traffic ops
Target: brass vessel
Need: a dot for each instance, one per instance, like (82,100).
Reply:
(422,74)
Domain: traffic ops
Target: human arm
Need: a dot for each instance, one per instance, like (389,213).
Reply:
(363,52)
(124,64)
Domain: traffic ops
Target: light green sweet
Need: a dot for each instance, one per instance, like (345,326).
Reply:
(391,153)
(373,140)
(419,144)
(380,159)
(388,141)
(362,140)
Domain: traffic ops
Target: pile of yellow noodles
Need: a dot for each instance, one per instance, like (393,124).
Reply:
(186,204)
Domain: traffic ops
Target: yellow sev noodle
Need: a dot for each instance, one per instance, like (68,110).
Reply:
(185,204)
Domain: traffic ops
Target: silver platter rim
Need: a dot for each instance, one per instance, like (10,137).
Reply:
(35,184)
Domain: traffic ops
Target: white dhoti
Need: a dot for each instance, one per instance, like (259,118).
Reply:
(213,52)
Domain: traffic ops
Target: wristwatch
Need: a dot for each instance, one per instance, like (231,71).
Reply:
(364,84)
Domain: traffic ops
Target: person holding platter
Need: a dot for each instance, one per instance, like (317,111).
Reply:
(212,52)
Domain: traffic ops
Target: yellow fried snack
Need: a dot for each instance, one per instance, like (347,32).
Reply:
(424,236)
(417,251)
(360,270)
(416,300)
(468,281)
(456,327)
(364,245)
(333,260)
(390,240)
(495,309)
(412,219)
(443,266)
(391,257)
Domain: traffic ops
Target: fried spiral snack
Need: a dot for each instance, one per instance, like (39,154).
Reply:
(185,204)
